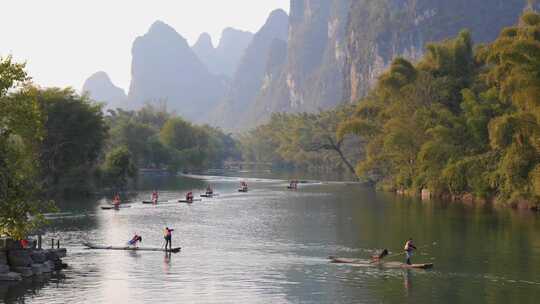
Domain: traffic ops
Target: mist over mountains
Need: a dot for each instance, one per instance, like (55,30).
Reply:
(325,53)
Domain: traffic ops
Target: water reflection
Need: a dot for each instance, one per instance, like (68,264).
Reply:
(167,262)
(407,281)
(23,292)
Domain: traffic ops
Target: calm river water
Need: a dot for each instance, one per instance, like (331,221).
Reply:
(271,246)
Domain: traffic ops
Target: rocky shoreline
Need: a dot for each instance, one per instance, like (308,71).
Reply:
(17,263)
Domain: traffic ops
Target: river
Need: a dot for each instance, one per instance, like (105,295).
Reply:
(270,245)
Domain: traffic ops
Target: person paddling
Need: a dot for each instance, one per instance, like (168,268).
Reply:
(167,235)
(155,197)
(293,185)
(209,190)
(377,258)
(134,240)
(189,196)
(409,248)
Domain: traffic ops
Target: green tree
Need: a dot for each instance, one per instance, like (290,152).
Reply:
(135,136)
(178,134)
(302,140)
(118,168)
(75,133)
(20,137)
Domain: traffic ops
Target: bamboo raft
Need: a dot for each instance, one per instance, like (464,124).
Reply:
(189,201)
(387,265)
(129,248)
(115,207)
(151,202)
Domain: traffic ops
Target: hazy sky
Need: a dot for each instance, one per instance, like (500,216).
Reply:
(65,41)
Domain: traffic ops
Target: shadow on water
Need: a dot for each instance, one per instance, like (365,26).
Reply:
(24,291)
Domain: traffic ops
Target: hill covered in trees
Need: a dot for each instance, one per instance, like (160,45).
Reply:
(462,121)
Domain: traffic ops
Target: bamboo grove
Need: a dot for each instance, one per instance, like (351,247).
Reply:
(460,121)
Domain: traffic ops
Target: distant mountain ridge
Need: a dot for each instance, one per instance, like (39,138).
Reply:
(325,53)
(164,67)
(248,78)
(99,87)
(223,59)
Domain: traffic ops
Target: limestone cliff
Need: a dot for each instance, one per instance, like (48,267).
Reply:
(312,74)
(249,76)
(381,30)
(165,68)
(336,49)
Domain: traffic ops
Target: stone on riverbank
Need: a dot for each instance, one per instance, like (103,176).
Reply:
(28,262)
(4,268)
(38,256)
(10,276)
(25,272)
(19,258)
(3,257)
(61,252)
(48,266)
(8,244)
(37,269)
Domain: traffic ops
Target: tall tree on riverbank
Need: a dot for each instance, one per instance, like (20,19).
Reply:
(515,135)
(118,169)
(75,133)
(21,133)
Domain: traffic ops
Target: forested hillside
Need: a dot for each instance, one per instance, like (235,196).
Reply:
(461,121)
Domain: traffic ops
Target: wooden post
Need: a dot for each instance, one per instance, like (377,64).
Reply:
(52,243)
(58,244)
(39,241)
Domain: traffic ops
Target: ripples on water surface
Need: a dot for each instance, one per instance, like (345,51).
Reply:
(270,246)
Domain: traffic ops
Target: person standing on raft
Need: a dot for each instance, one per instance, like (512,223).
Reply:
(167,235)
(409,248)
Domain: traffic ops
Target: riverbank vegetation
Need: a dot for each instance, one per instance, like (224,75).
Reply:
(303,141)
(158,139)
(56,142)
(21,133)
(461,121)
